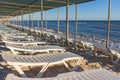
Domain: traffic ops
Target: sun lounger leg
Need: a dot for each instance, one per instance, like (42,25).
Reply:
(76,66)
(13,51)
(43,70)
(19,70)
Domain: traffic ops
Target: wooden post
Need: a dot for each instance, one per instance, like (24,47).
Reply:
(58,21)
(67,22)
(76,23)
(108,29)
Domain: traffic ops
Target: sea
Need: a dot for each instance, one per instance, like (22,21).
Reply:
(97,28)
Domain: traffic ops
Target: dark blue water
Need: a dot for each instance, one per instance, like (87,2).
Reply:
(94,28)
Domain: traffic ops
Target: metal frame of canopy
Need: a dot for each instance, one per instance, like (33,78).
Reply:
(40,5)
(10,6)
(13,5)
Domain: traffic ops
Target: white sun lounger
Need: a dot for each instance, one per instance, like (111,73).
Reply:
(34,49)
(18,38)
(87,44)
(88,47)
(45,60)
(95,74)
(24,43)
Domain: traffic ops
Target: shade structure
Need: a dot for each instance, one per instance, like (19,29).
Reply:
(7,7)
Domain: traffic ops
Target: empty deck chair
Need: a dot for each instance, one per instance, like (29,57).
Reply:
(45,60)
(24,43)
(111,52)
(116,53)
(18,37)
(95,74)
(34,49)
(86,46)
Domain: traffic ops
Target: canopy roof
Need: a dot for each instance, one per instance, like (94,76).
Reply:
(8,7)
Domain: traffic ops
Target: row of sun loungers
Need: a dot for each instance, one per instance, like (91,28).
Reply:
(48,59)
(95,47)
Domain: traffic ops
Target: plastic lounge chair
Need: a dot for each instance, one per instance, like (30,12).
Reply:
(45,60)
(109,52)
(34,49)
(87,47)
(115,52)
(18,38)
(95,74)
(24,43)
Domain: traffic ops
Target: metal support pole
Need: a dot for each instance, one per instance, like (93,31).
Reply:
(38,22)
(58,21)
(28,20)
(7,19)
(41,16)
(76,23)
(108,30)
(46,19)
(22,18)
(16,19)
(33,27)
(67,22)
(29,16)
(13,20)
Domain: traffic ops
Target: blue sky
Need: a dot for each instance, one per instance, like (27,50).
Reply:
(95,10)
